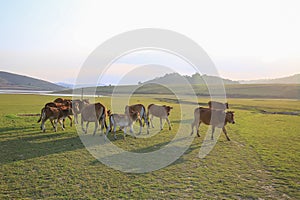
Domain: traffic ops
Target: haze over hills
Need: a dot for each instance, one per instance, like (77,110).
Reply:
(175,78)
(294,79)
(11,81)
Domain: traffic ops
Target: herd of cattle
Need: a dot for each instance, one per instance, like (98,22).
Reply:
(60,109)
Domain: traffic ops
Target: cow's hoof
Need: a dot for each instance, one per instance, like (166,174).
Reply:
(198,134)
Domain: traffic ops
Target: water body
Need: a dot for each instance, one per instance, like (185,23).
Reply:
(49,93)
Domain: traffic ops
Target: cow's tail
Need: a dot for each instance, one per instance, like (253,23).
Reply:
(111,121)
(42,112)
(145,116)
(104,114)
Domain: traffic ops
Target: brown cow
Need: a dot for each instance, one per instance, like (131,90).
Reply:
(77,106)
(124,121)
(94,113)
(216,118)
(218,105)
(54,113)
(162,112)
(140,108)
(58,105)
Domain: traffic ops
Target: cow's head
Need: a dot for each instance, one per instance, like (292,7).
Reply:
(230,117)
(168,109)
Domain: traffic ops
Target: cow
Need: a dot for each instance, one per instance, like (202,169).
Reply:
(58,105)
(216,118)
(94,113)
(54,113)
(142,111)
(162,112)
(77,106)
(66,102)
(124,121)
(218,105)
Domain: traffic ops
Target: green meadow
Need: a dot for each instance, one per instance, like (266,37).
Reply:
(261,161)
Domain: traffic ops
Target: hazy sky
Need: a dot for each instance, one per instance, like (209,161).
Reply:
(245,39)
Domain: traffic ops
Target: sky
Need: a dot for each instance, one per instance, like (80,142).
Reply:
(246,40)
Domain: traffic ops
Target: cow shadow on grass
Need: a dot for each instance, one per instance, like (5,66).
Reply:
(16,147)
(174,148)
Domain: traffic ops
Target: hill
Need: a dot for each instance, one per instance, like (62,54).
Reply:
(270,91)
(10,81)
(175,78)
(294,79)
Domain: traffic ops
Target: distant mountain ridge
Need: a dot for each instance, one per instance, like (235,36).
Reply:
(294,79)
(175,78)
(11,81)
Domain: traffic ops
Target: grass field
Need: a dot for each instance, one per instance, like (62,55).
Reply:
(262,160)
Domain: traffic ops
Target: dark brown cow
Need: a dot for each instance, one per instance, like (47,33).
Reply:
(66,102)
(58,105)
(218,105)
(124,121)
(56,114)
(94,113)
(216,118)
(162,112)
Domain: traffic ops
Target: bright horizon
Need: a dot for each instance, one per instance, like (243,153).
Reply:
(246,40)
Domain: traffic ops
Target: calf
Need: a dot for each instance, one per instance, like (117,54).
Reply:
(54,113)
(218,105)
(123,120)
(94,113)
(77,106)
(216,118)
(162,112)
(140,108)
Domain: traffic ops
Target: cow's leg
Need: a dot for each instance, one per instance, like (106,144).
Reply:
(115,129)
(132,132)
(55,124)
(107,131)
(225,132)
(101,126)
(160,125)
(82,126)
(151,118)
(141,126)
(96,126)
(51,120)
(192,126)
(197,128)
(43,124)
(125,132)
(62,127)
(64,122)
(167,119)
(87,126)
(75,118)
(71,120)
(212,132)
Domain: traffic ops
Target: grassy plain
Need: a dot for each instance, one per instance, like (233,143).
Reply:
(261,161)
